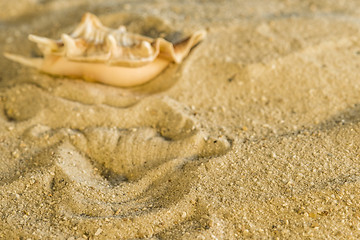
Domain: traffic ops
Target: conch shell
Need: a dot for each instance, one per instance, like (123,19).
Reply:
(110,56)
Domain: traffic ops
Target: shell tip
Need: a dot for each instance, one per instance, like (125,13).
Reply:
(30,62)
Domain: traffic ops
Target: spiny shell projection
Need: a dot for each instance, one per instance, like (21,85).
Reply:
(110,56)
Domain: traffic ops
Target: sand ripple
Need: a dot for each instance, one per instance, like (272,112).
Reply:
(97,152)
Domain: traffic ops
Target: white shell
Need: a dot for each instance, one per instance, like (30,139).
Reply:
(111,56)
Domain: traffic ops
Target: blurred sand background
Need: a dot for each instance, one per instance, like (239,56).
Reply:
(254,136)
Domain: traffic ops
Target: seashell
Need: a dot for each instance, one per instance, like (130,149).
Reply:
(110,56)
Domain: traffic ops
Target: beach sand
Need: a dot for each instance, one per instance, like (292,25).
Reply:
(254,136)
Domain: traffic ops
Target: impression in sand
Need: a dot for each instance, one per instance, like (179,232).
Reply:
(111,56)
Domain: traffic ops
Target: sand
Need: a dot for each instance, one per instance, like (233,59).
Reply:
(254,136)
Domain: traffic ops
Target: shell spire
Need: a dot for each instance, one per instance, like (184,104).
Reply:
(71,49)
(45,45)
(89,26)
(112,46)
(112,56)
